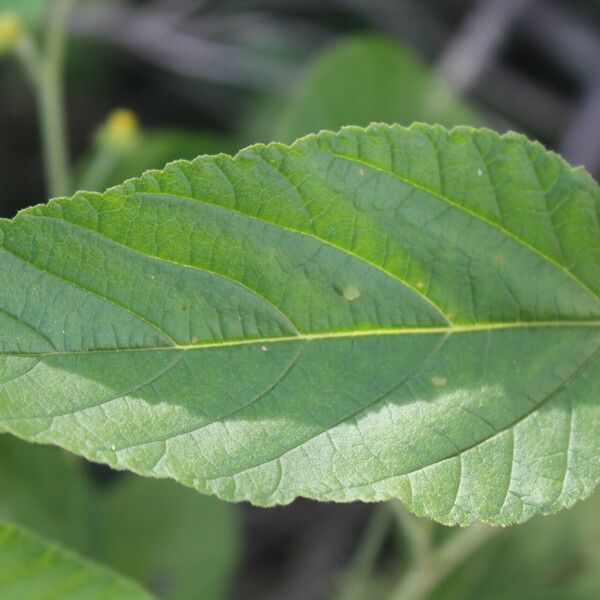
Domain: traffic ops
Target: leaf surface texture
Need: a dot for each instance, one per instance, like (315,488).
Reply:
(377,313)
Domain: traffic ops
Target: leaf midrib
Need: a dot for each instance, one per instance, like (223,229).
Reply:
(408,181)
(311,337)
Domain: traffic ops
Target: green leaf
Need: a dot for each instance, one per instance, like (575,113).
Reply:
(47,491)
(365,79)
(552,558)
(377,313)
(182,544)
(32,569)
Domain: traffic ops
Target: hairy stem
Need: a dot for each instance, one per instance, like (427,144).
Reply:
(359,571)
(417,533)
(50,101)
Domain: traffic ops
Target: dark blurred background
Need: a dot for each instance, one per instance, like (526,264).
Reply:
(211,65)
(216,75)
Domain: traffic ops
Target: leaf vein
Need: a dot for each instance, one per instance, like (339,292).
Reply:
(174,263)
(95,294)
(300,232)
(457,205)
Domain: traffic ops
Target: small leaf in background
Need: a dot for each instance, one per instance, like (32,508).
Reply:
(32,569)
(181,545)
(549,558)
(47,491)
(178,544)
(379,313)
(368,79)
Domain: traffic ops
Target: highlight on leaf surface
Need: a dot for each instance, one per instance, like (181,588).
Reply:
(375,313)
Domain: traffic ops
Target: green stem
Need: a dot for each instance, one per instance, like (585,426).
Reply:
(359,571)
(28,54)
(45,71)
(51,103)
(438,563)
(416,532)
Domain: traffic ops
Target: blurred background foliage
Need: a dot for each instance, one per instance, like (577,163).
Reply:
(148,82)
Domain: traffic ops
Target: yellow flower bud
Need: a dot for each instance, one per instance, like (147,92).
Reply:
(122,122)
(10,30)
(121,129)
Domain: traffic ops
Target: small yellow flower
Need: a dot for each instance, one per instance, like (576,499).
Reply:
(121,129)
(122,122)
(10,30)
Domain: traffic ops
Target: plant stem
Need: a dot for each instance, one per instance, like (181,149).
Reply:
(359,571)
(45,72)
(439,562)
(50,100)
(416,532)
(28,53)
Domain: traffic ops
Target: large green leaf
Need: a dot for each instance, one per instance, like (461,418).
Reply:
(31,569)
(365,79)
(376,313)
